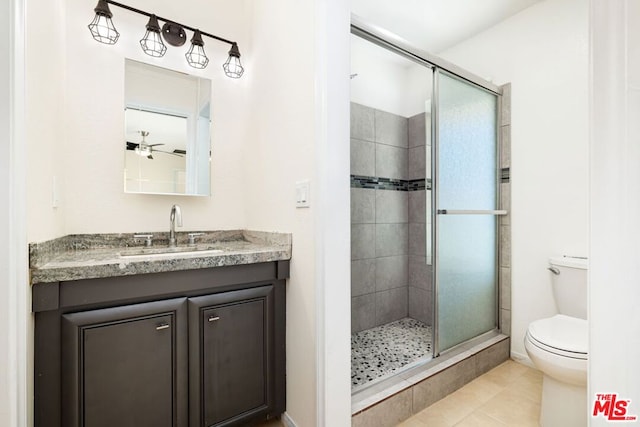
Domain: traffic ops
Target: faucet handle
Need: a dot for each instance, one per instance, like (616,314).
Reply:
(192,237)
(148,238)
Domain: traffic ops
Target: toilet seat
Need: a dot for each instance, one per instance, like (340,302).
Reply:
(558,347)
(561,335)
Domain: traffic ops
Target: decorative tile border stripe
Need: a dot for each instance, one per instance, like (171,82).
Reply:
(419,184)
(377,183)
(373,182)
(505,175)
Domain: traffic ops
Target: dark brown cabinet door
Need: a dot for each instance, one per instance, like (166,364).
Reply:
(126,366)
(231,356)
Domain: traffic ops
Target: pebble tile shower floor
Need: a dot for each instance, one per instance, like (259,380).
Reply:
(380,351)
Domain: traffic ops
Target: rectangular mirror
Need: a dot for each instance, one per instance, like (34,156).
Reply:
(167,131)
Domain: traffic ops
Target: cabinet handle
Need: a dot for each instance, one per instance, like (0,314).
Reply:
(213,318)
(162,326)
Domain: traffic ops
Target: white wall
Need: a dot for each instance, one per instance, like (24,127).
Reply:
(387,81)
(162,174)
(543,52)
(76,120)
(45,114)
(7,405)
(614,348)
(333,225)
(299,129)
(8,382)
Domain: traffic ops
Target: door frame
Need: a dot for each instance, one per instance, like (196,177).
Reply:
(435,141)
(16,336)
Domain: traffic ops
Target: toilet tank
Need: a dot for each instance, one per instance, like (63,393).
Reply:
(569,283)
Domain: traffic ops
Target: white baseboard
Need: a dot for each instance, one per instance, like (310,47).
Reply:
(287,421)
(522,358)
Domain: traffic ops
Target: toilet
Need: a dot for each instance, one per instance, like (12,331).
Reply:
(557,346)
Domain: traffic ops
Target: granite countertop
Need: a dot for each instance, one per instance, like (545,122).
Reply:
(91,256)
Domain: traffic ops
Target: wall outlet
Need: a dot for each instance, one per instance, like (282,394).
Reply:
(302,194)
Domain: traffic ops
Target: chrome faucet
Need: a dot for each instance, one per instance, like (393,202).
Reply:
(176,213)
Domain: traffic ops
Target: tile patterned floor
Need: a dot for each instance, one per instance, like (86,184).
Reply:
(384,349)
(508,395)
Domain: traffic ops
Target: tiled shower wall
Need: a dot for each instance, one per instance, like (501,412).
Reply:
(424,392)
(420,270)
(505,203)
(390,168)
(379,219)
(385,270)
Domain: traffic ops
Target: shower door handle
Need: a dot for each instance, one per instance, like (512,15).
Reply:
(471,212)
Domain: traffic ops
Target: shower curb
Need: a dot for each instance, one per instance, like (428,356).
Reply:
(390,402)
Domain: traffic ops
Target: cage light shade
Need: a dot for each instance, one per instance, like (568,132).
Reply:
(232,67)
(152,43)
(196,56)
(102,28)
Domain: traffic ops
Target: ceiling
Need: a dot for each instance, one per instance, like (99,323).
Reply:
(436,25)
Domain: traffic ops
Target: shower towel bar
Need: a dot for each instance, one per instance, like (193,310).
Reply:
(470,212)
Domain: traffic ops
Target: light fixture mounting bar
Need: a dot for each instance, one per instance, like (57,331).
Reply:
(148,15)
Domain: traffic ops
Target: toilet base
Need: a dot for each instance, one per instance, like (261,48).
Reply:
(563,405)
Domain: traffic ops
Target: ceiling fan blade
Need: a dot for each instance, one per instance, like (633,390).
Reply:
(183,152)
(132,145)
(153,145)
(167,152)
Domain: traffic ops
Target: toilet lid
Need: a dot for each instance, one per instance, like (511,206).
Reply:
(560,334)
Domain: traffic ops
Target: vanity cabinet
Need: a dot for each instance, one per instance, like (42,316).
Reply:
(178,349)
(125,366)
(231,351)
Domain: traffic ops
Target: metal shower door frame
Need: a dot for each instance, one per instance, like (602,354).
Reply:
(387,40)
(435,208)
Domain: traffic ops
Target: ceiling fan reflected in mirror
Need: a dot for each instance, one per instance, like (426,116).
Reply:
(145,149)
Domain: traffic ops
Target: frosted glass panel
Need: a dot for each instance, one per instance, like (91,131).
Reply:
(467,148)
(466,180)
(467,277)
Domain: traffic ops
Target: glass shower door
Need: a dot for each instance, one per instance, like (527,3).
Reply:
(466,199)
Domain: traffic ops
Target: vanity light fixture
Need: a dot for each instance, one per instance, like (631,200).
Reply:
(152,43)
(196,56)
(103,30)
(233,68)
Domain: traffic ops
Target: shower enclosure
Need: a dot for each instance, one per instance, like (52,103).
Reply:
(424,208)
